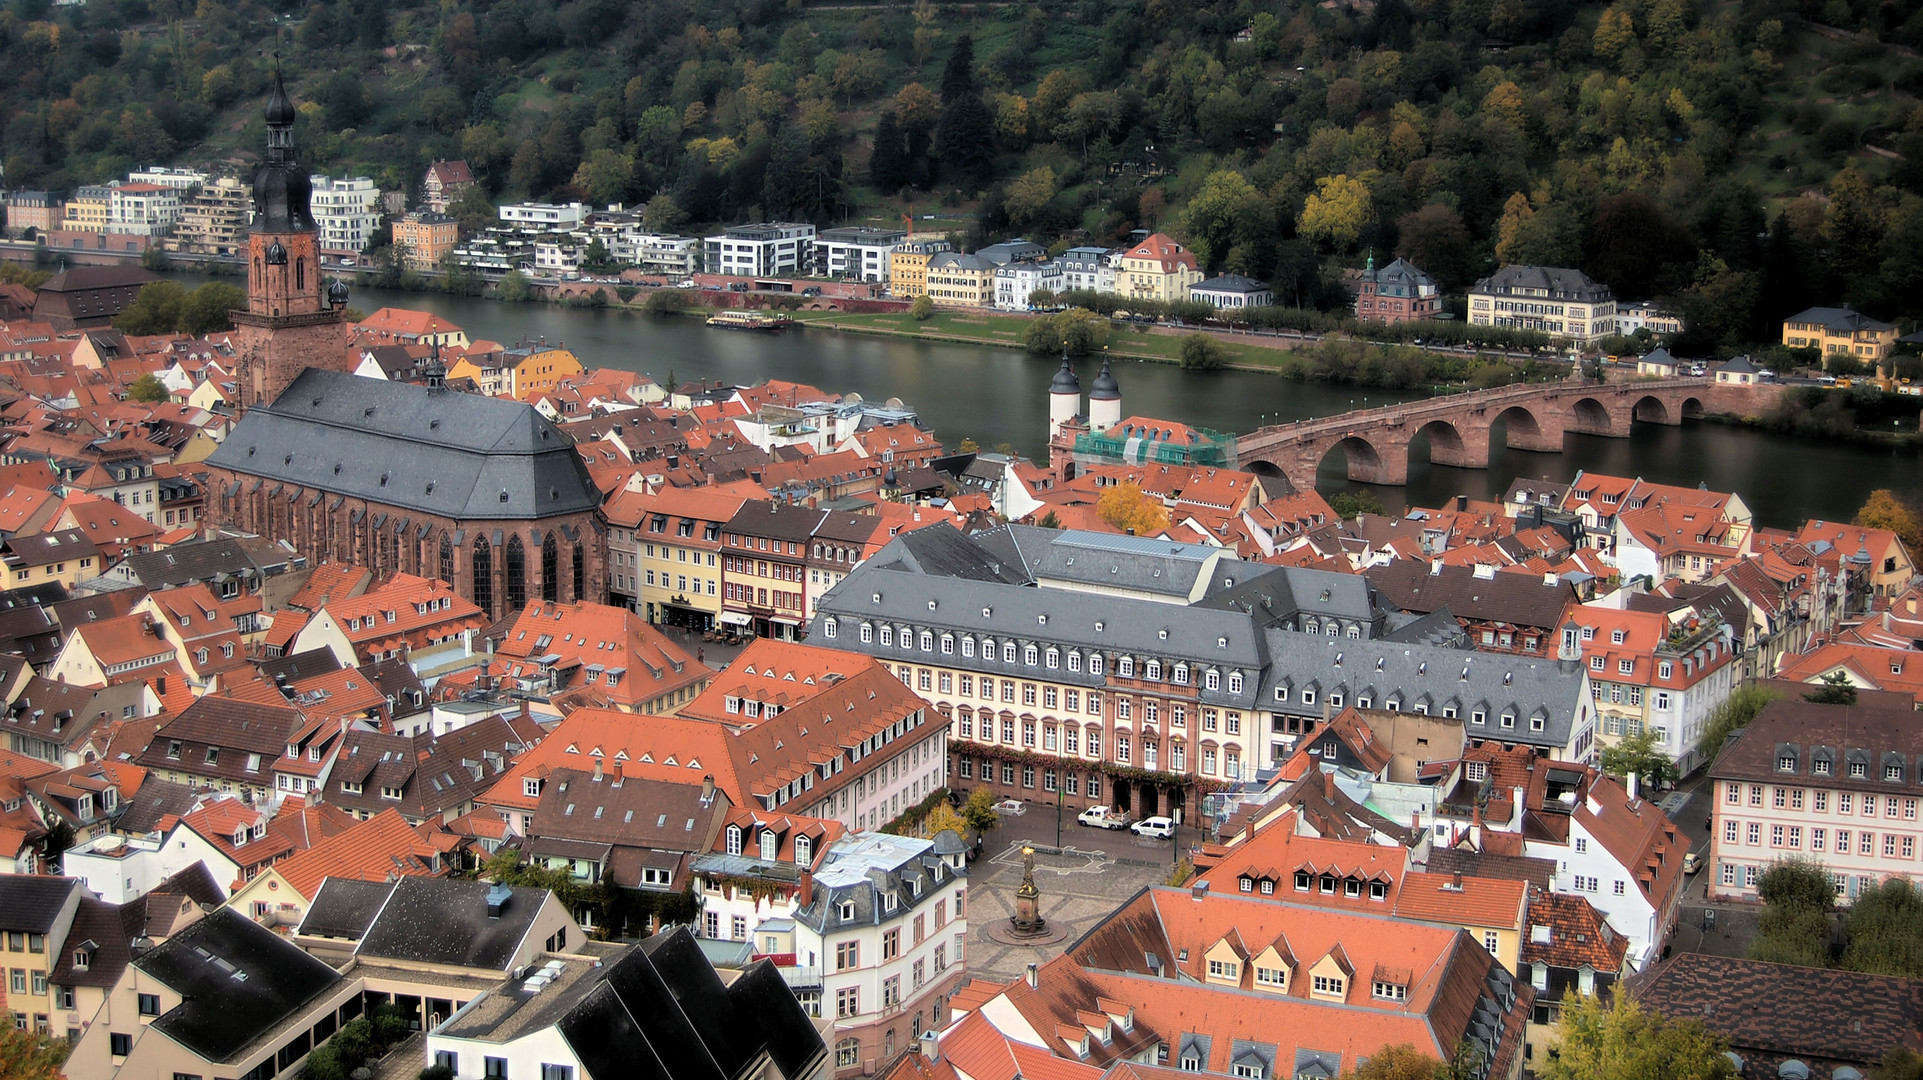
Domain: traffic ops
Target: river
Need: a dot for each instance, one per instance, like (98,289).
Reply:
(1001,396)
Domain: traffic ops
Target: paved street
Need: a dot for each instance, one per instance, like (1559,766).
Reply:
(1702,925)
(1096,872)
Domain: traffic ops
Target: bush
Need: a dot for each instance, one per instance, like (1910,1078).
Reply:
(513,287)
(666,301)
(922,309)
(1201,352)
(625,292)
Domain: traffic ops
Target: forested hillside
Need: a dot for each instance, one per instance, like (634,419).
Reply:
(1745,158)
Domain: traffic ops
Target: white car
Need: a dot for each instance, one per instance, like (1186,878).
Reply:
(1155,828)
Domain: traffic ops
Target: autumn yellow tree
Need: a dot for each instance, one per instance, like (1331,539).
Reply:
(1336,212)
(1883,510)
(1515,215)
(1132,510)
(1028,194)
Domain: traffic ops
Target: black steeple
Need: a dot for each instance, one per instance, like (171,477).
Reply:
(282,191)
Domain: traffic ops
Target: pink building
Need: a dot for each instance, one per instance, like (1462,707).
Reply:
(1396,293)
(1827,783)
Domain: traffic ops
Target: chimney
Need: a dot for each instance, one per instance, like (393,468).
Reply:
(597,770)
(1435,567)
(805,893)
(497,898)
(1200,890)
(707,792)
(1634,784)
(931,1045)
(1034,976)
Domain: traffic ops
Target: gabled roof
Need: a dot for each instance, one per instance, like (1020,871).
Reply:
(445,921)
(30,903)
(379,849)
(238,981)
(430,451)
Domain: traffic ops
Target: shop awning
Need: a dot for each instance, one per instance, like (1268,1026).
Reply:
(736,618)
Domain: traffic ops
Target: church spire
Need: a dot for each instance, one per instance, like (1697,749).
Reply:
(282,191)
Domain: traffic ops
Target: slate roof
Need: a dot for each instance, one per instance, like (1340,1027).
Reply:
(661,1011)
(29,904)
(201,560)
(238,980)
(1230,283)
(344,908)
(1878,738)
(1516,599)
(441,921)
(1838,320)
(432,451)
(1560,284)
(1773,1012)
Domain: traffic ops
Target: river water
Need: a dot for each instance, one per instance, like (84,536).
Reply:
(998,396)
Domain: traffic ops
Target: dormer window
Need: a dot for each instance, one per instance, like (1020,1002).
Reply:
(847,911)
(1893,772)
(1859,770)
(803,850)
(1616,637)
(1390,991)
(1821,766)
(531,787)
(1786,762)
(1302,881)
(770,844)
(734,839)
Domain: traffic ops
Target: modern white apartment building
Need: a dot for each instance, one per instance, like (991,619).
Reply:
(549,217)
(1088,268)
(140,209)
(178,179)
(348,211)
(858,253)
(1836,785)
(765,250)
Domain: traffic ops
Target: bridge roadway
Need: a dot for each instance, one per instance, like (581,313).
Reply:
(1537,415)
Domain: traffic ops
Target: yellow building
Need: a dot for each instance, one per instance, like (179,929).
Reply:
(1158,269)
(954,278)
(1840,332)
(664,553)
(88,210)
(425,238)
(537,369)
(908,266)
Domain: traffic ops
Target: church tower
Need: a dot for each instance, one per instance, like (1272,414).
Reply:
(293,320)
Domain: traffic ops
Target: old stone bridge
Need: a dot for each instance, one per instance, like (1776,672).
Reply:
(1536,416)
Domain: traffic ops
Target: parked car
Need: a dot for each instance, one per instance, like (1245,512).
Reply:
(1101,817)
(1155,828)
(1692,862)
(1011,807)
(812,290)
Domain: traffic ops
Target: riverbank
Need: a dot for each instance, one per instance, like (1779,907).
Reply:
(1160,345)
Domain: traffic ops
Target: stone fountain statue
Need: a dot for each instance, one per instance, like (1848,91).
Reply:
(1028,919)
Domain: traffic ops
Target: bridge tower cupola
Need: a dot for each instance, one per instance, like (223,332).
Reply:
(1064,397)
(1104,400)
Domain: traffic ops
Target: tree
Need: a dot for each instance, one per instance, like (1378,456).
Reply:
(1132,510)
(1350,504)
(28,1055)
(1226,212)
(155,310)
(513,287)
(147,390)
(1624,1041)
(1835,690)
(958,77)
(1337,211)
(1515,214)
(472,209)
(922,309)
(885,166)
(210,308)
(979,810)
(1028,195)
(666,302)
(1901,1063)
(1050,520)
(1733,715)
(1201,352)
(942,817)
(1883,510)
(1884,927)
(1794,927)
(1641,756)
(662,214)
(1435,240)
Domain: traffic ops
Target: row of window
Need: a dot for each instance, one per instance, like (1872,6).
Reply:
(1031,655)
(1847,802)
(1893,846)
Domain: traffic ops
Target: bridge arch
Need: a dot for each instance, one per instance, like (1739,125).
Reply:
(1525,430)
(1692,408)
(1450,444)
(1367,463)
(1590,416)
(1651,409)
